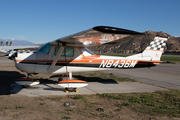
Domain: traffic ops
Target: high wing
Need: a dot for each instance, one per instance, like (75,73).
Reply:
(96,36)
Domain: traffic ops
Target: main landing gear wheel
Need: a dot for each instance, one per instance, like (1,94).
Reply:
(70,90)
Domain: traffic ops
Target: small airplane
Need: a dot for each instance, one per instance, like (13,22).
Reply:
(70,54)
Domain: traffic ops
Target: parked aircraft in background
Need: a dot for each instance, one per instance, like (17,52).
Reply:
(69,54)
(10,49)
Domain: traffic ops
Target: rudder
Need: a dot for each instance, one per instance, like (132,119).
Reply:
(156,47)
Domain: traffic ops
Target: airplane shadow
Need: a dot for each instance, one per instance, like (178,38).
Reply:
(95,79)
(9,77)
(6,79)
(47,83)
(52,88)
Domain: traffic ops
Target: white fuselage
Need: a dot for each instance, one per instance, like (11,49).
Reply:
(82,60)
(76,60)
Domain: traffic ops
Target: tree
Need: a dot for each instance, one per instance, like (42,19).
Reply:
(7,43)
(1,43)
(10,43)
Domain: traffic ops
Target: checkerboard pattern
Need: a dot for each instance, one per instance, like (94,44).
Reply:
(157,45)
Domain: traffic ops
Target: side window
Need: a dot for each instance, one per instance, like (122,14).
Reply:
(69,51)
(56,50)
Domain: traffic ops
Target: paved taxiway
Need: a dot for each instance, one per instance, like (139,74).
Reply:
(92,88)
(162,77)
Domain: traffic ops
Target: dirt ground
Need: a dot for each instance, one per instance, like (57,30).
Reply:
(89,107)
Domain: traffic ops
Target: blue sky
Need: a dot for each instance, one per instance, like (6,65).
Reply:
(40,21)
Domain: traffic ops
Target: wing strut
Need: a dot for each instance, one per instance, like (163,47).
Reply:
(57,57)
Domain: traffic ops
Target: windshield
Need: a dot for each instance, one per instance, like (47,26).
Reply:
(45,48)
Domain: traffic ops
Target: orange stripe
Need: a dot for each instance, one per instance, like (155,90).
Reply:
(160,39)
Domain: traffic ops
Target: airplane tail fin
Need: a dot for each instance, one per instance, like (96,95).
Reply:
(156,48)
(154,51)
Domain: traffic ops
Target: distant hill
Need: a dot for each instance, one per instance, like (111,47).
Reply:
(140,43)
(17,42)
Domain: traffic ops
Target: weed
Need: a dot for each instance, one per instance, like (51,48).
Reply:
(111,95)
(91,75)
(55,99)
(41,99)
(145,100)
(126,104)
(125,79)
(20,107)
(159,101)
(117,97)
(69,110)
(105,95)
(151,104)
(5,108)
(165,107)
(100,109)
(104,115)
(143,108)
(111,74)
(159,111)
(176,104)
(135,100)
(78,97)
(66,118)
(118,110)
(88,104)
(42,104)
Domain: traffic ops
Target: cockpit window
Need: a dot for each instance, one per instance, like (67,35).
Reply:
(45,48)
(69,51)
